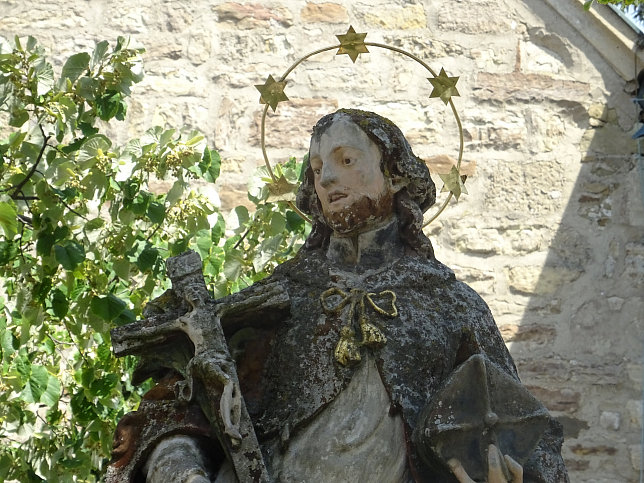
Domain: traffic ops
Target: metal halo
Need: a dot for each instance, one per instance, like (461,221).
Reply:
(282,79)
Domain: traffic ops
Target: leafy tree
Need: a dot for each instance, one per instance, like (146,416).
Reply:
(623,4)
(82,243)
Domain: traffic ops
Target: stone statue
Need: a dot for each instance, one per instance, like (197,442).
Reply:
(362,359)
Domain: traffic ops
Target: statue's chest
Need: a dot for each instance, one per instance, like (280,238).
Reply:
(353,437)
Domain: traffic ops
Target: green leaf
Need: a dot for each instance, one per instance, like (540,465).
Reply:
(17,117)
(8,342)
(45,242)
(75,66)
(588,4)
(147,258)
(45,78)
(294,222)
(99,53)
(108,105)
(51,393)
(176,191)
(94,224)
(233,265)
(277,224)
(102,387)
(95,145)
(156,212)
(8,219)
(87,87)
(107,308)
(70,254)
(267,249)
(36,384)
(121,268)
(82,409)
(210,164)
(242,215)
(59,303)
(125,317)
(8,251)
(218,229)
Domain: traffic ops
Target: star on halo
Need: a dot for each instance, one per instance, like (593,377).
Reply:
(453,182)
(272,92)
(444,86)
(352,44)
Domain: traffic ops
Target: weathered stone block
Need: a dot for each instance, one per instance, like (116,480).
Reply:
(609,139)
(443,163)
(527,333)
(634,408)
(324,12)
(199,48)
(537,280)
(296,119)
(634,262)
(481,281)
(584,450)
(519,187)
(610,420)
(479,17)
(615,303)
(484,241)
(635,451)
(565,400)
(252,15)
(521,87)
(635,374)
(398,18)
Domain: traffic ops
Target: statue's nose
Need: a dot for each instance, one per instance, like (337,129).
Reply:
(328,176)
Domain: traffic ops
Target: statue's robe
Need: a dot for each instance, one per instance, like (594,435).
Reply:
(289,374)
(441,322)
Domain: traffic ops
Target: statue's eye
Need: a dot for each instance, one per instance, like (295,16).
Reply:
(347,161)
(317,171)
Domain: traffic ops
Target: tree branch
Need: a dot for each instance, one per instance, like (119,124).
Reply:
(71,209)
(18,188)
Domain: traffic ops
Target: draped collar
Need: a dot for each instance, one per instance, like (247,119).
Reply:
(377,247)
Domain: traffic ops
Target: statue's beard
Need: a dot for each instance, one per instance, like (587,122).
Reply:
(362,214)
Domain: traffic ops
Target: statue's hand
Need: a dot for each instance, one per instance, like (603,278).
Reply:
(495,468)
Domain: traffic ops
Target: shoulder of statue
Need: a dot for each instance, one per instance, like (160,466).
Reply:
(428,269)
(307,264)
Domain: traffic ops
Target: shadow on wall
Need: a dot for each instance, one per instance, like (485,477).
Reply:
(579,347)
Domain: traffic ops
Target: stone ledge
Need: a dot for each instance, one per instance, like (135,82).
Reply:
(613,39)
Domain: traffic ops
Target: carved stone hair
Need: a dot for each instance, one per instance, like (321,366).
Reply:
(398,163)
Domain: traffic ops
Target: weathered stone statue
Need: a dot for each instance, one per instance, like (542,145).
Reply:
(362,359)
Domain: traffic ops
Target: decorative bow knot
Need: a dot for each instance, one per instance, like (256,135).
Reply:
(347,349)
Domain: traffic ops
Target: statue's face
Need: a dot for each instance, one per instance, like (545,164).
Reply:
(348,180)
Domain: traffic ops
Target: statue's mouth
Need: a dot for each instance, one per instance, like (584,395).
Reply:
(333,197)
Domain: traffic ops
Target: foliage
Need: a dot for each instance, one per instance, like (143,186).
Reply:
(82,240)
(623,4)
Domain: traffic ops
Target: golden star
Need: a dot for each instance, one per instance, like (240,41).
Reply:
(281,190)
(352,44)
(444,87)
(272,92)
(453,182)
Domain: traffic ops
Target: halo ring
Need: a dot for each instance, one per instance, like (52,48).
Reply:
(369,44)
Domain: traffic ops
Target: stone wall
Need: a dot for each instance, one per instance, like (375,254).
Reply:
(551,232)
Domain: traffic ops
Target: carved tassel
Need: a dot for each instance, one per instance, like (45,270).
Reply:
(346,350)
(372,336)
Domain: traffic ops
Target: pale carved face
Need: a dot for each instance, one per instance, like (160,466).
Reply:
(348,180)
